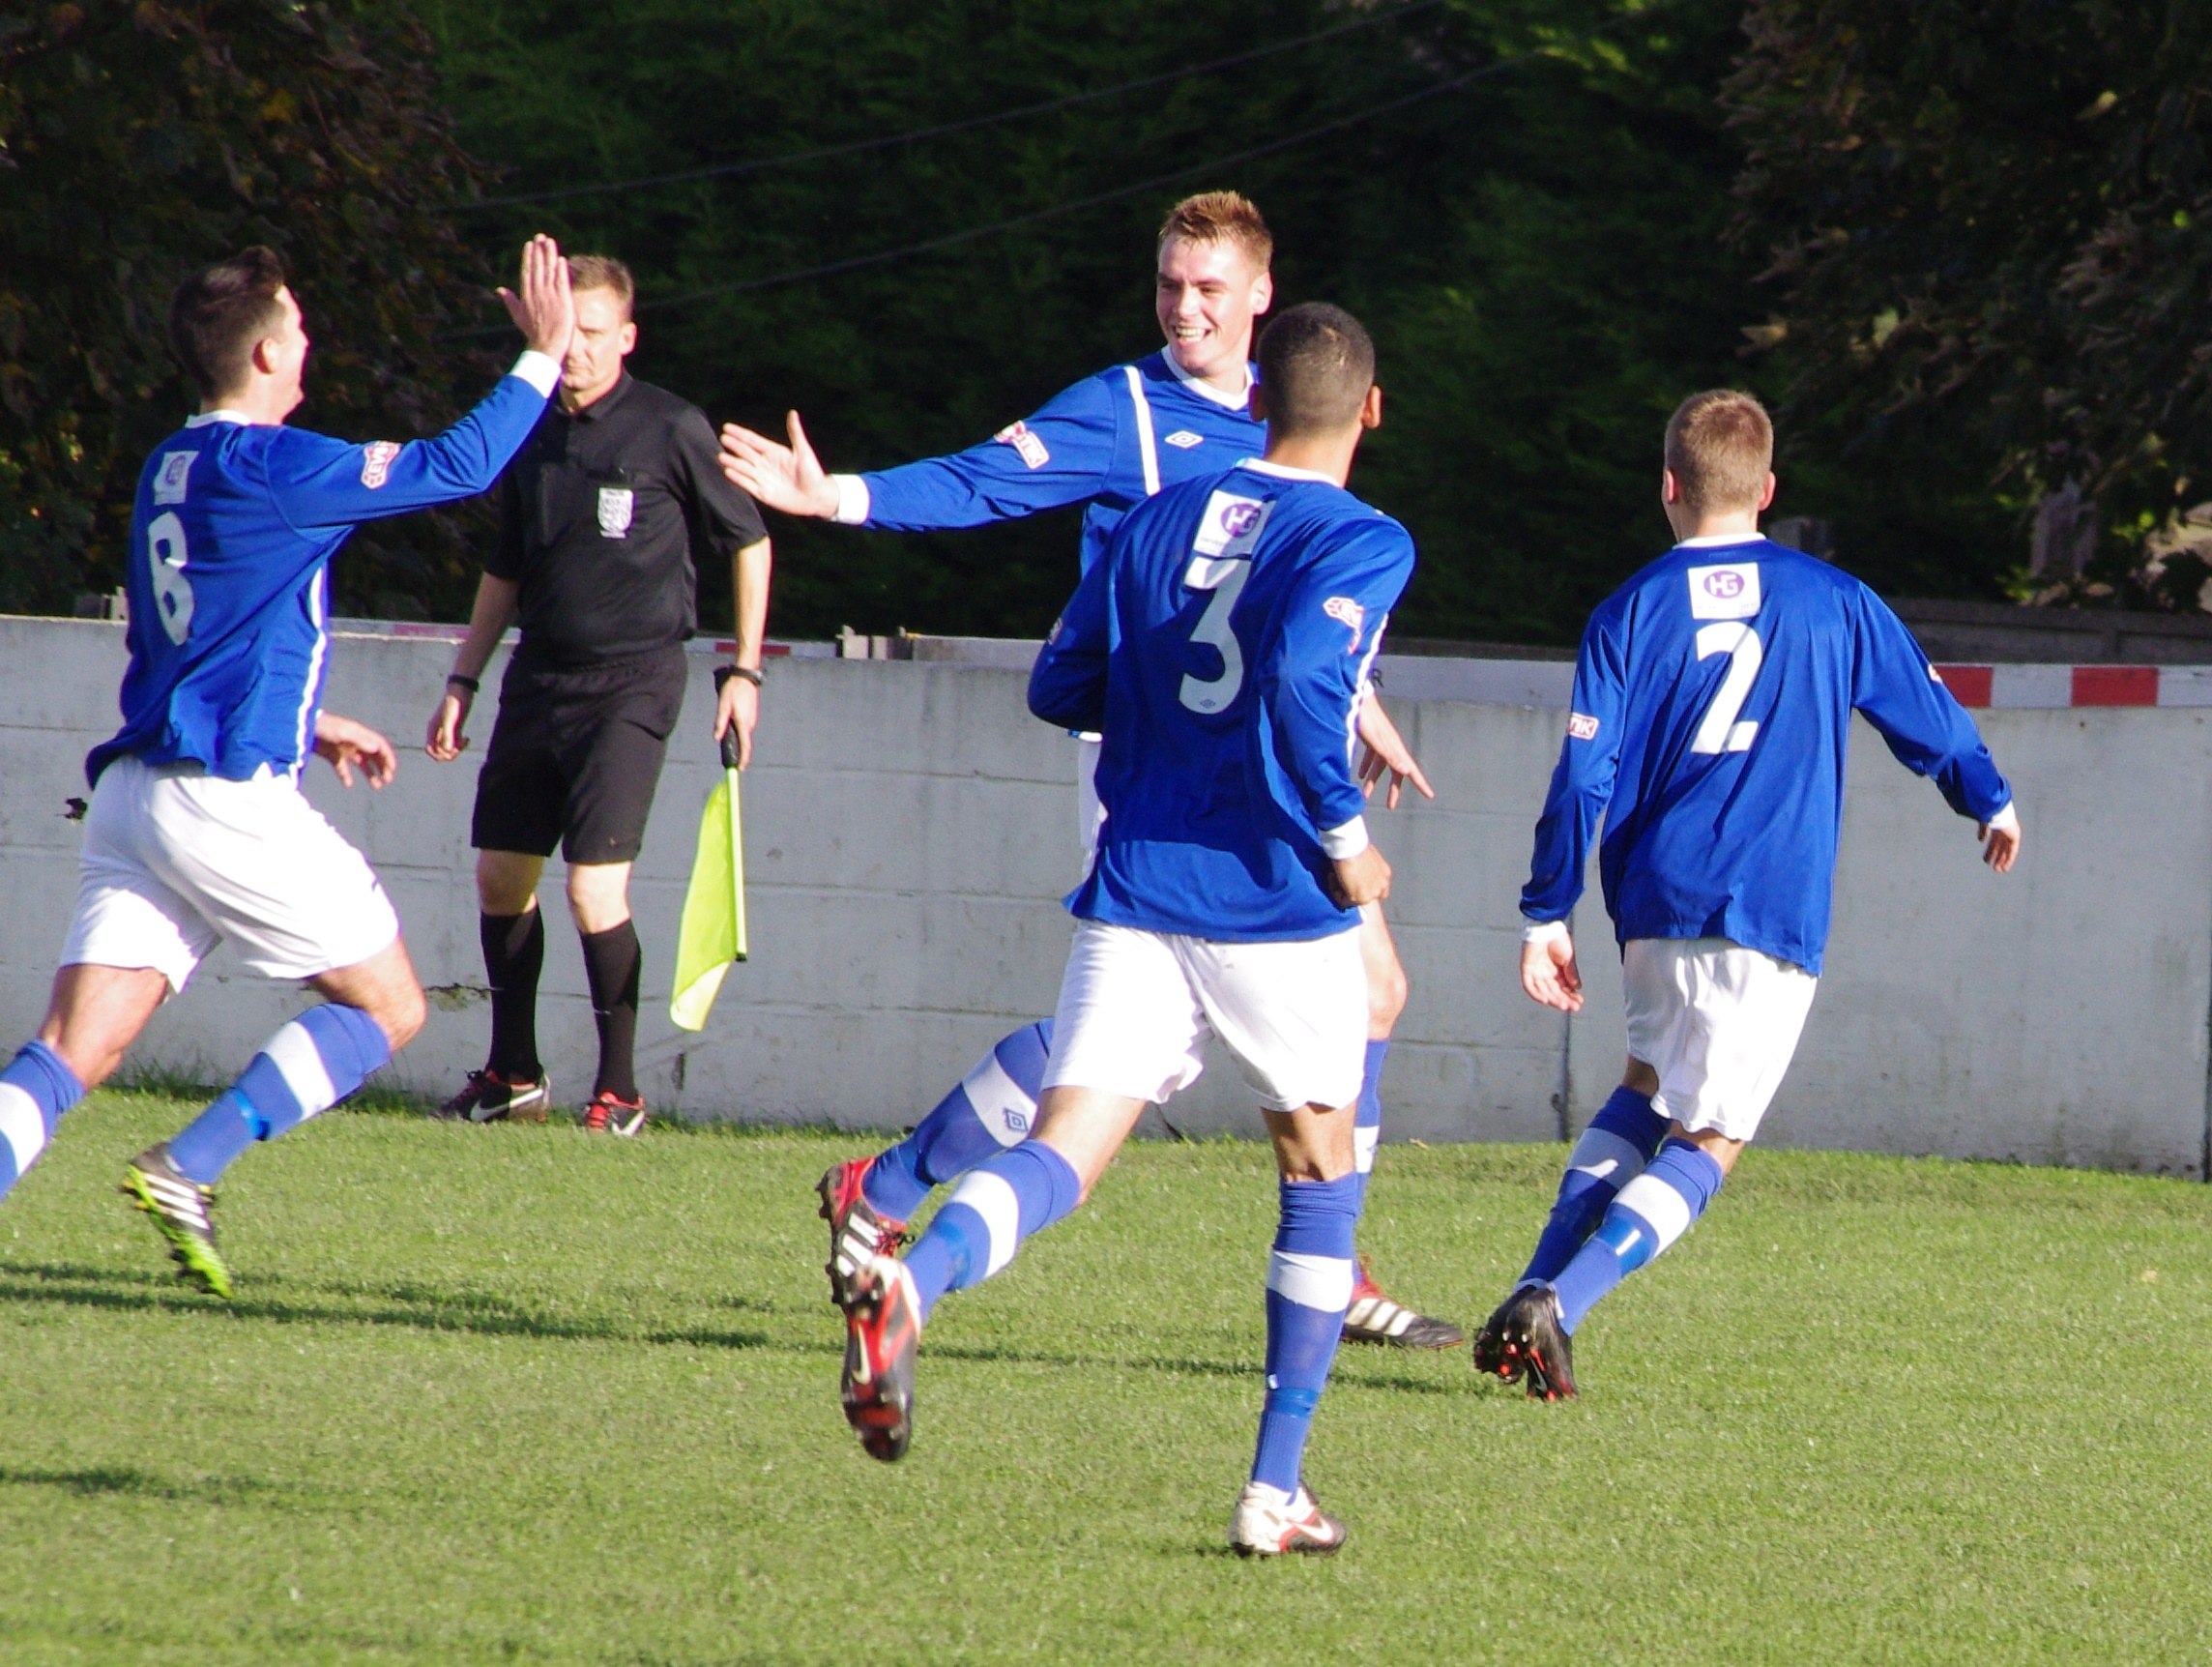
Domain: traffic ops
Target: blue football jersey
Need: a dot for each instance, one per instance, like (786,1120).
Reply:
(1712,709)
(1221,646)
(1111,441)
(227,571)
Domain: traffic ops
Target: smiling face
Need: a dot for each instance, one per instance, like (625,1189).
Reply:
(604,336)
(1209,295)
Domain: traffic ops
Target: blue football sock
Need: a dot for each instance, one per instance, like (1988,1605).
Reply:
(1021,1191)
(1612,1151)
(307,1067)
(1310,1276)
(1651,1213)
(993,1107)
(1367,1117)
(35,1089)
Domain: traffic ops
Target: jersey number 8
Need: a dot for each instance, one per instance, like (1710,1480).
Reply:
(172,591)
(1720,732)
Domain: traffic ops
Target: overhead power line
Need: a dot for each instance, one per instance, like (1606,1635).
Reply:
(726,170)
(1214,164)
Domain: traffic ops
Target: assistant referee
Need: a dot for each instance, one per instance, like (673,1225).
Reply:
(604,514)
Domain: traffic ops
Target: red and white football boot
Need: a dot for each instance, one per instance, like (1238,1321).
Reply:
(1270,1522)
(858,1233)
(881,1327)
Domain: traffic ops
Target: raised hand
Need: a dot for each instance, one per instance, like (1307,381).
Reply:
(545,312)
(786,478)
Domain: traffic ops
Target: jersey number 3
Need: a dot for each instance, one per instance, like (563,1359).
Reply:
(1225,577)
(172,591)
(1720,732)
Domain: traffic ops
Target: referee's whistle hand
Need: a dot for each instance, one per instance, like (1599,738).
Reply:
(1549,975)
(445,742)
(737,704)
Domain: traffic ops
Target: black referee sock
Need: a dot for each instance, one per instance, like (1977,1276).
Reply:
(513,954)
(611,961)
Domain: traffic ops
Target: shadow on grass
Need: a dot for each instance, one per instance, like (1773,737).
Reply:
(413,1307)
(106,1481)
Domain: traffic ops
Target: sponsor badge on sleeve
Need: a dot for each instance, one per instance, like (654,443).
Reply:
(1580,726)
(1028,445)
(376,462)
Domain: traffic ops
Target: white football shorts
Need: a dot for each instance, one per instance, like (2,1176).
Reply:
(1136,1008)
(175,860)
(1718,1022)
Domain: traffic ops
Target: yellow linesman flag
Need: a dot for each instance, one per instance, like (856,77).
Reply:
(713,934)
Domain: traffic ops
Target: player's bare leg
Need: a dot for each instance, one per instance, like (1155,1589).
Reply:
(1373,1317)
(93,1016)
(512,1086)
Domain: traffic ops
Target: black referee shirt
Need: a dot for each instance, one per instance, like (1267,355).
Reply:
(604,516)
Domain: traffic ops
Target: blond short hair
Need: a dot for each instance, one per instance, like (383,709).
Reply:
(1221,217)
(603,271)
(1720,446)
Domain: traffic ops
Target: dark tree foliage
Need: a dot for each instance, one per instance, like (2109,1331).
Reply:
(1539,254)
(139,141)
(1990,230)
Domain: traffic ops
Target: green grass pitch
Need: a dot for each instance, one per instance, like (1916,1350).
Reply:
(520,1395)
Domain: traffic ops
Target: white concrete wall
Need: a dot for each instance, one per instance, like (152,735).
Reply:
(910,830)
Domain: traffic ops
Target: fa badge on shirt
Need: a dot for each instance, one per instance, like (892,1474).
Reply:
(616,505)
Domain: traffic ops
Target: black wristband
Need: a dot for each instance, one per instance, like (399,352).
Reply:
(468,683)
(750,673)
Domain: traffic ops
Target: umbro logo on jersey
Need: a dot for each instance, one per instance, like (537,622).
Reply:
(1347,612)
(1184,439)
(376,462)
(1031,449)
(169,484)
(1580,726)
(1730,591)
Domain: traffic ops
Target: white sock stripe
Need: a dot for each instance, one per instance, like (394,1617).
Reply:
(991,1198)
(1605,1155)
(1659,1204)
(1364,1144)
(293,1052)
(22,1126)
(1324,1282)
(999,1103)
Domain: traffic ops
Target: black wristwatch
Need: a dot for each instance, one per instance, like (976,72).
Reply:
(750,673)
(468,683)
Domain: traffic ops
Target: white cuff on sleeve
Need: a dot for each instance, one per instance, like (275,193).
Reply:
(1543,931)
(851,501)
(2007,820)
(1346,842)
(540,370)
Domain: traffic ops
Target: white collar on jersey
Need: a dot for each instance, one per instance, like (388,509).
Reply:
(206,417)
(1283,471)
(1713,540)
(1206,390)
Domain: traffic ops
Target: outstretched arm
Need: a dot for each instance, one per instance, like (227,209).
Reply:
(318,482)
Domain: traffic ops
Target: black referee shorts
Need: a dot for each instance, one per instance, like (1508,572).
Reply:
(575,756)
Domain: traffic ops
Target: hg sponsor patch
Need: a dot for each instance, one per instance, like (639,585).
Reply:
(1580,726)
(1231,525)
(1727,592)
(1031,449)
(376,462)
(169,484)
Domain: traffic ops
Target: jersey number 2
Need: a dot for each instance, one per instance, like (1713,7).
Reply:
(1224,578)
(172,591)
(1720,732)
